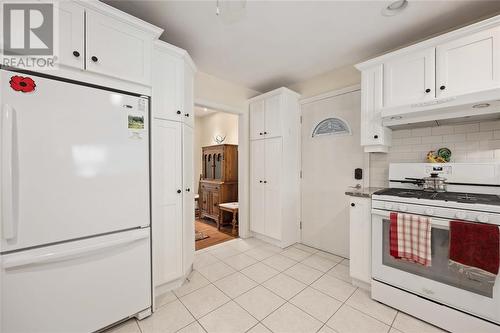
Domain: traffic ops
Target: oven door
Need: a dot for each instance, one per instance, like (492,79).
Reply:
(436,282)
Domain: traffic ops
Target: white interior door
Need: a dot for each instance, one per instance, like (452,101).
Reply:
(328,164)
(257,176)
(167,202)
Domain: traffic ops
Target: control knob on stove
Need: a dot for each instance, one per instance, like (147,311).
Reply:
(482,218)
(429,211)
(388,206)
(460,215)
(403,208)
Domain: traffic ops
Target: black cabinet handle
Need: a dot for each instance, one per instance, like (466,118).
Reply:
(188,190)
(265,181)
(76,53)
(179,191)
(375,136)
(352,204)
(186,114)
(442,87)
(260,181)
(427,90)
(94,59)
(178,112)
(265,132)
(261,133)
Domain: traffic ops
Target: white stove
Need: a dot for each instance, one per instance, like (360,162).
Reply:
(437,294)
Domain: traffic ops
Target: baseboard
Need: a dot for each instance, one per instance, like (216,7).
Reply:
(272,241)
(439,315)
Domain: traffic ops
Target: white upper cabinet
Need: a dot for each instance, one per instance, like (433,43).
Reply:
(257,119)
(468,64)
(374,136)
(71,36)
(272,106)
(173,83)
(117,49)
(410,78)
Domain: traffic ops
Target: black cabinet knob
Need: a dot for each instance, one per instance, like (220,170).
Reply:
(260,181)
(265,132)
(179,191)
(427,90)
(76,53)
(265,181)
(178,111)
(353,204)
(375,136)
(94,59)
(186,114)
(442,87)
(260,133)
(188,190)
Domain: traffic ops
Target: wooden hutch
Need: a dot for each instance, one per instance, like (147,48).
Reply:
(219,179)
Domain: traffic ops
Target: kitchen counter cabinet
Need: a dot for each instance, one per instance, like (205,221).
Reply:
(360,240)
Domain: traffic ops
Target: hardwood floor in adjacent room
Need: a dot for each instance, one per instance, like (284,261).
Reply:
(209,228)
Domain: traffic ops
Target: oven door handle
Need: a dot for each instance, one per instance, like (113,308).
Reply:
(436,222)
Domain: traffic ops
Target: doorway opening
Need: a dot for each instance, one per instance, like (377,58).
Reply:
(216,173)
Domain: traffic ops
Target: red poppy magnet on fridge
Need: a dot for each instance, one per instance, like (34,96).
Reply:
(21,83)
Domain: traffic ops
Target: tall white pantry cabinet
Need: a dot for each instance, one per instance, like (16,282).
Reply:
(172,179)
(275,167)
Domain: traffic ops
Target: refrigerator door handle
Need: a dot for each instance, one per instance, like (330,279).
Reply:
(24,259)
(8,228)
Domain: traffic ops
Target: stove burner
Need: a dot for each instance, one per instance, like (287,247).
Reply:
(470,198)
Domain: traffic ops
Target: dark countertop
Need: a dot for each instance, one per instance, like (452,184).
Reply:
(362,192)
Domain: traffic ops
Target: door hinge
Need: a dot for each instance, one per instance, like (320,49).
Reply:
(300,225)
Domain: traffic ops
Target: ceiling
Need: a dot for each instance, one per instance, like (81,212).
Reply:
(276,43)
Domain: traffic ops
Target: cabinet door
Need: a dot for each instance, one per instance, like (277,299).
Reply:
(71,34)
(273,116)
(257,120)
(188,199)
(166,201)
(167,85)
(215,202)
(272,185)
(257,176)
(371,105)
(117,49)
(468,64)
(360,239)
(410,78)
(188,97)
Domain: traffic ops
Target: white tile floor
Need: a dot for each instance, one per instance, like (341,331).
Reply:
(250,286)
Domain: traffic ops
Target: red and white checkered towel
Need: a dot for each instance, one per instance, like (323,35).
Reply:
(411,238)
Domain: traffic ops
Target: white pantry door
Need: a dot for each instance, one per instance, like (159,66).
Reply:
(328,164)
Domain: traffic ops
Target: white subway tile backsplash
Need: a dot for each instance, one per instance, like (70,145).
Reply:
(400,134)
(442,130)
(466,128)
(478,136)
(474,142)
(489,125)
(454,138)
(426,131)
(432,139)
(412,141)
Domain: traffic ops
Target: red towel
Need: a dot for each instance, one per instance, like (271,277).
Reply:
(476,245)
(410,238)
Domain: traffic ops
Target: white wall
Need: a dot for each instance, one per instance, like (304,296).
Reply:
(218,91)
(205,128)
(474,142)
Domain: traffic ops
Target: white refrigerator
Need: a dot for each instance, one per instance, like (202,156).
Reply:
(75,213)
